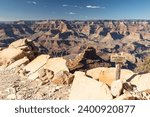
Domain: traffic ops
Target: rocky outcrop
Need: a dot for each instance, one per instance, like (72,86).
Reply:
(14,54)
(133,37)
(86,60)
(36,64)
(19,63)
(142,81)
(18,50)
(63,78)
(107,75)
(48,70)
(56,65)
(45,75)
(107,38)
(85,88)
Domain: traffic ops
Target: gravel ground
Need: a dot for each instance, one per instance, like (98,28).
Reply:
(14,87)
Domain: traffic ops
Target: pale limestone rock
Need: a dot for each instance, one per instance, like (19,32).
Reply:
(63,77)
(133,37)
(45,75)
(85,88)
(116,88)
(11,97)
(125,96)
(107,38)
(9,55)
(19,63)
(107,75)
(33,76)
(56,65)
(19,43)
(141,81)
(36,64)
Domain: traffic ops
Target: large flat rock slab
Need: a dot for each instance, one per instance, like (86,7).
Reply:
(36,64)
(56,65)
(85,88)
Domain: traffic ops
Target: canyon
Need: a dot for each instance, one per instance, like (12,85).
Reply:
(59,59)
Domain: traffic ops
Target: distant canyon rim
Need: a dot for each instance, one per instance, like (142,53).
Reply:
(59,59)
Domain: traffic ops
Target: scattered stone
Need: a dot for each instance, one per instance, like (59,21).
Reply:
(45,75)
(63,77)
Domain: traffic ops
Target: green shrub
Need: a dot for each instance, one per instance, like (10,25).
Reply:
(144,66)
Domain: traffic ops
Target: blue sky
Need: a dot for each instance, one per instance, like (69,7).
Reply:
(73,9)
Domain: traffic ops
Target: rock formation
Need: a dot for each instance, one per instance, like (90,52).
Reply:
(85,88)
(86,60)
(60,59)
(18,50)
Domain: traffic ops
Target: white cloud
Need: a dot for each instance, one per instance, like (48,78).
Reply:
(32,2)
(64,5)
(72,13)
(94,7)
(75,6)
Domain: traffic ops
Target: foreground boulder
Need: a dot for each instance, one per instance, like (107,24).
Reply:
(48,70)
(21,62)
(18,50)
(142,81)
(107,75)
(27,46)
(9,55)
(85,88)
(36,64)
(60,70)
(56,65)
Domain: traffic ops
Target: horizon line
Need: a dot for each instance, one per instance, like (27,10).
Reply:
(71,20)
